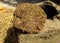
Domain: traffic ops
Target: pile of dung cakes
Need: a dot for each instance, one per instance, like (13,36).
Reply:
(27,17)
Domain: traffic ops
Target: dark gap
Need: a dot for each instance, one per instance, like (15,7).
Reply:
(50,11)
(12,35)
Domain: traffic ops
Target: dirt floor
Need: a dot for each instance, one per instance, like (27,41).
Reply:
(50,34)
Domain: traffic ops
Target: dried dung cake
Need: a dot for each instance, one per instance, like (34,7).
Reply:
(29,17)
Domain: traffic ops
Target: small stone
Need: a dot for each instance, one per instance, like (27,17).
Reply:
(29,17)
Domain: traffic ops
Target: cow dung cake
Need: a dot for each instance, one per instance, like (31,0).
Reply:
(29,18)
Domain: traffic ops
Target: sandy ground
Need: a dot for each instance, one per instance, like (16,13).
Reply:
(50,34)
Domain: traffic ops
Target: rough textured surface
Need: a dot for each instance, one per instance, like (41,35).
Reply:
(5,22)
(51,37)
(29,18)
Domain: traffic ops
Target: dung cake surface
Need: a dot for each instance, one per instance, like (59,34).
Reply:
(29,17)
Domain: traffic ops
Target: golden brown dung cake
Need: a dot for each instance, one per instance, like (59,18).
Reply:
(29,17)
